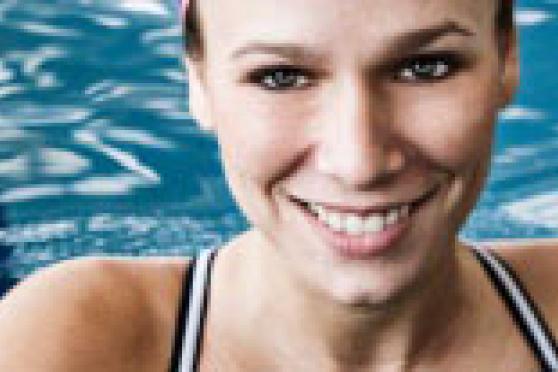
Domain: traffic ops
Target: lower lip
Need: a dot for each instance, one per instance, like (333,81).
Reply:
(362,246)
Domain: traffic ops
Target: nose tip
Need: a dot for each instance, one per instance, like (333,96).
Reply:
(360,164)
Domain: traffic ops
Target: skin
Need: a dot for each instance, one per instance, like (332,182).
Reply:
(354,136)
(358,137)
(355,131)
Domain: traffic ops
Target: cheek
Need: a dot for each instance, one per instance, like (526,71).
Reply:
(260,136)
(455,128)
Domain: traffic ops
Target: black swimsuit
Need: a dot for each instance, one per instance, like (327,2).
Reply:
(193,310)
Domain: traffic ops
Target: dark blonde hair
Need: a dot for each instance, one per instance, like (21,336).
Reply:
(194,42)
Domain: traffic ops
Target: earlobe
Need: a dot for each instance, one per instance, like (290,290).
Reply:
(199,109)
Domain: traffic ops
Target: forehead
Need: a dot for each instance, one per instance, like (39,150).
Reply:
(362,22)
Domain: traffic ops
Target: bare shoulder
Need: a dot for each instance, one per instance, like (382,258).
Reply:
(92,314)
(536,259)
(535,262)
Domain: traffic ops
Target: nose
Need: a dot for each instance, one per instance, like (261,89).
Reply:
(357,145)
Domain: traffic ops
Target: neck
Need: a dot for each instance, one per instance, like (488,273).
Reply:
(413,327)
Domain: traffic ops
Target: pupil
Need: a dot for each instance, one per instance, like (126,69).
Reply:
(425,68)
(430,68)
(284,78)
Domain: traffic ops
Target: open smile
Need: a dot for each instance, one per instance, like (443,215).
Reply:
(358,232)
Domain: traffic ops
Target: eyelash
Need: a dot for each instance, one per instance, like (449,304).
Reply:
(405,71)
(264,77)
(446,64)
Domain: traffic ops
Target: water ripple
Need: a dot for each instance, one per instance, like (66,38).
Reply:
(95,134)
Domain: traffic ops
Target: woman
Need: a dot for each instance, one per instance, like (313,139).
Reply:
(356,137)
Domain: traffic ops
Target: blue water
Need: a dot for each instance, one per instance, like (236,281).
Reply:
(98,154)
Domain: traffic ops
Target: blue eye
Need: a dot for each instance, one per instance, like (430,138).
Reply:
(427,68)
(280,78)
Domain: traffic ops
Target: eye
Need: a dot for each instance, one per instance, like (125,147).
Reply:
(428,68)
(280,78)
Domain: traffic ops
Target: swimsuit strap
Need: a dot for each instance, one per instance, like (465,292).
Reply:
(522,308)
(192,313)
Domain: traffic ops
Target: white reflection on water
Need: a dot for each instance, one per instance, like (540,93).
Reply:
(113,185)
(61,162)
(15,167)
(35,115)
(138,137)
(89,137)
(152,7)
(161,34)
(25,193)
(532,17)
(538,210)
(522,113)
(38,244)
(48,30)
(93,104)
(109,21)
(52,162)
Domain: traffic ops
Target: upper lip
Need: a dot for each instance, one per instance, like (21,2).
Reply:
(371,208)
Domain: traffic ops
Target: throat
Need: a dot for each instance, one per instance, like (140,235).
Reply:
(298,323)
(415,327)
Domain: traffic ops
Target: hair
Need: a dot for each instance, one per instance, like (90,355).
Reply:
(194,42)
(192,32)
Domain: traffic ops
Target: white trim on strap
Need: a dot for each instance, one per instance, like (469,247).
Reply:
(526,311)
(193,325)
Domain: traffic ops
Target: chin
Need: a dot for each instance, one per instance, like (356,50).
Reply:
(364,285)
(372,299)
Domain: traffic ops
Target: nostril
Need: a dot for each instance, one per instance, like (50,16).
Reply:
(358,163)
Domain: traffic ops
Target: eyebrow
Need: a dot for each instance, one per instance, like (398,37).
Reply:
(412,39)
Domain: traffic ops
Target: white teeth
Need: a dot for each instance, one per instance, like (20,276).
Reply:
(392,216)
(374,223)
(315,207)
(353,224)
(335,221)
(404,211)
(320,211)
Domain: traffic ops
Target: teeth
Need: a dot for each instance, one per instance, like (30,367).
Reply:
(313,208)
(335,221)
(374,223)
(392,216)
(320,211)
(404,211)
(353,224)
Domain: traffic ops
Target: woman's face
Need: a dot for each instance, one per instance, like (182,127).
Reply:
(353,106)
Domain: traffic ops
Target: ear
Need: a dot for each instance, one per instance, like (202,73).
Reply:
(510,74)
(198,101)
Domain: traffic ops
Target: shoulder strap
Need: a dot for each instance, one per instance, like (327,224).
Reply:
(192,313)
(523,309)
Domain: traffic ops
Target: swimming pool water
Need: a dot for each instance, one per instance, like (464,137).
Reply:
(98,154)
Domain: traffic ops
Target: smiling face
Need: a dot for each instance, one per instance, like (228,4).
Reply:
(353,107)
